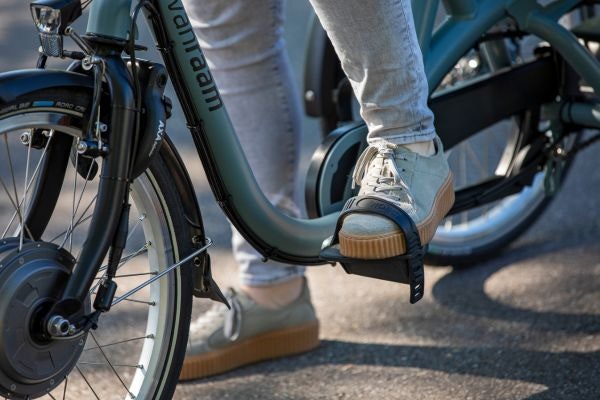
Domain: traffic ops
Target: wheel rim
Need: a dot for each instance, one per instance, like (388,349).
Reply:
(481,226)
(129,351)
(490,226)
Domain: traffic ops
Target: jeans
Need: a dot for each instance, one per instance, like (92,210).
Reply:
(244,46)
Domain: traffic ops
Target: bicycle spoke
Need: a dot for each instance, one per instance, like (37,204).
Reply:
(110,364)
(98,364)
(141,219)
(16,203)
(79,221)
(124,260)
(87,177)
(13,204)
(86,381)
(162,273)
(143,250)
(25,190)
(130,275)
(30,182)
(150,303)
(70,236)
(12,171)
(121,342)
(129,257)
(65,389)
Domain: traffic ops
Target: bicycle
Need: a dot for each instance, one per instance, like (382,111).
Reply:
(98,162)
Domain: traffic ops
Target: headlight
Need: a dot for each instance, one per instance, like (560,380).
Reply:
(47,20)
(51,18)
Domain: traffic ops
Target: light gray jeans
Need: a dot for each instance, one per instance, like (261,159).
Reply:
(243,43)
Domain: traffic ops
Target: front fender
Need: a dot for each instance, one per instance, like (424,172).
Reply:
(16,84)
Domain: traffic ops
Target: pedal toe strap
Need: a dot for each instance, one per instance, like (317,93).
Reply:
(379,206)
(412,261)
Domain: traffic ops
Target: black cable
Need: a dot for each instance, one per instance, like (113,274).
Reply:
(97,97)
(162,39)
(134,67)
(136,83)
(85,3)
(41,62)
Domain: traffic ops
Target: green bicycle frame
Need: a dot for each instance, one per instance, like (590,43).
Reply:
(277,235)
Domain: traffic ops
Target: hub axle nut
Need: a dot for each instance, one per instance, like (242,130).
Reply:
(59,326)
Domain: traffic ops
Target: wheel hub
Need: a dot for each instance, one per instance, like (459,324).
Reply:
(31,362)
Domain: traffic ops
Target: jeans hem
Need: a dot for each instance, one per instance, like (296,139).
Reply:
(253,281)
(406,137)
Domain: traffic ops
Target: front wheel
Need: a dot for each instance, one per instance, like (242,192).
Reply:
(138,348)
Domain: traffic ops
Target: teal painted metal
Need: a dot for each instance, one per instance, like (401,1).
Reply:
(584,114)
(424,13)
(469,20)
(458,34)
(568,46)
(461,8)
(542,21)
(110,18)
(293,236)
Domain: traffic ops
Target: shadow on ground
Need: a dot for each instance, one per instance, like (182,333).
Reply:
(467,334)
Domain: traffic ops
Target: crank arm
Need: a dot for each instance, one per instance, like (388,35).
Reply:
(492,190)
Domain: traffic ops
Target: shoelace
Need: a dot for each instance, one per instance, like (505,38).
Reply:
(384,183)
(233,321)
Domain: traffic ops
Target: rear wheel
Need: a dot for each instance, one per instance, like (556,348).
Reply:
(469,236)
(138,348)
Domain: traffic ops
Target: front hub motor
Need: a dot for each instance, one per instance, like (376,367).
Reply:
(32,278)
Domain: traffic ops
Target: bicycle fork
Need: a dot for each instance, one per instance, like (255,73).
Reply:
(107,218)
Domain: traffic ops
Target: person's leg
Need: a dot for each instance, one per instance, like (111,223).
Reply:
(377,45)
(243,44)
(244,47)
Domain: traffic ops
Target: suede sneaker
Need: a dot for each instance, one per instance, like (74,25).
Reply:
(222,340)
(419,185)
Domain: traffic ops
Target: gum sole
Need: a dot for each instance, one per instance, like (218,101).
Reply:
(392,244)
(285,342)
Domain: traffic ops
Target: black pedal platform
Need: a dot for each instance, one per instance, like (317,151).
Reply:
(407,268)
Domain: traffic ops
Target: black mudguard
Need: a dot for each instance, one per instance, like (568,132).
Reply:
(204,285)
(20,83)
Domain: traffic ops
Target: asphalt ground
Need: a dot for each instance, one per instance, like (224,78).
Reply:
(523,325)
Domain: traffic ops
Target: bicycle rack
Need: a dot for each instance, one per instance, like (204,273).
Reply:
(407,268)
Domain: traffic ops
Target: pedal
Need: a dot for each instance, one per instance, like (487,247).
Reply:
(406,268)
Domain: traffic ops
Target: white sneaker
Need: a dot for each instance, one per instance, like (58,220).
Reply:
(421,186)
